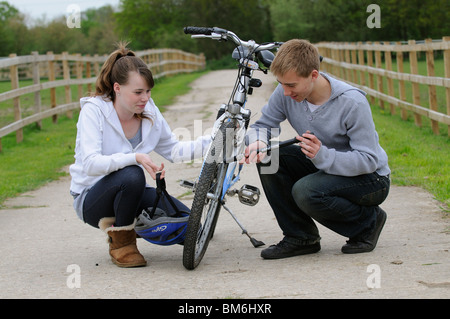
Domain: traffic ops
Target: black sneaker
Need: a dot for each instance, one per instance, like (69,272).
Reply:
(284,249)
(364,245)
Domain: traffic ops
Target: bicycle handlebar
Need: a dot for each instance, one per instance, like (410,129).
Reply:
(222,34)
(198,30)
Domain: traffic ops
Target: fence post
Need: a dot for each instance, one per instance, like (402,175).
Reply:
(51,78)
(415,86)
(431,88)
(447,75)
(88,75)
(370,64)
(379,77)
(203,60)
(96,65)
(354,61)
(323,52)
(66,74)
(362,74)
(166,67)
(79,71)
(347,72)
(333,67)
(14,75)
(390,84)
(341,58)
(401,83)
(37,80)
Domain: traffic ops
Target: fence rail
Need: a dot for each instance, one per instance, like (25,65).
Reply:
(370,66)
(66,70)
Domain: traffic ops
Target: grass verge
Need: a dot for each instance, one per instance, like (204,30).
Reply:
(417,157)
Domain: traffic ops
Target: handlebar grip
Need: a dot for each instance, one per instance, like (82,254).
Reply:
(288,142)
(279,145)
(198,30)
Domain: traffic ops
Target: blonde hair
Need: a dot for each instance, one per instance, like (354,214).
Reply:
(117,68)
(298,55)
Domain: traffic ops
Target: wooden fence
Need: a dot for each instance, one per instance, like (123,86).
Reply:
(370,66)
(66,70)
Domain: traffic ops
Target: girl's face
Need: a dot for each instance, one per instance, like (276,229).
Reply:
(133,96)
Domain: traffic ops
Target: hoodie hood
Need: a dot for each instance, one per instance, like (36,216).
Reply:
(107,108)
(338,87)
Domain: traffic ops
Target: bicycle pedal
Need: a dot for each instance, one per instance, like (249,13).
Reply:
(187,184)
(249,195)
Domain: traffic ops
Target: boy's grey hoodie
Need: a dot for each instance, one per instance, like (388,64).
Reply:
(343,124)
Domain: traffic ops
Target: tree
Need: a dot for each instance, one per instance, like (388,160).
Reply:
(12,29)
(99,29)
(414,19)
(158,23)
(289,19)
(248,19)
(144,21)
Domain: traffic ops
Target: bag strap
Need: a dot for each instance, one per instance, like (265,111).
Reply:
(160,192)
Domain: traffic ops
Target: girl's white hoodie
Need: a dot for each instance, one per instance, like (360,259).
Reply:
(102,148)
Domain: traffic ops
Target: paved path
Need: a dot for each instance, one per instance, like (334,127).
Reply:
(44,245)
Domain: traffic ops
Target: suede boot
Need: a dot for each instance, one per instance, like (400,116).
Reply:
(122,244)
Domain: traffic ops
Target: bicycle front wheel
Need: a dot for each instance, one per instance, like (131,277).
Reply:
(207,202)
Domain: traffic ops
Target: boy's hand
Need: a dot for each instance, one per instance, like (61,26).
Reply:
(310,144)
(250,155)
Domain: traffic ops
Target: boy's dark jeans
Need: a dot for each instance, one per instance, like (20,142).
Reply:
(299,193)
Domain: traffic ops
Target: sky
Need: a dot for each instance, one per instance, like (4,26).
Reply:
(53,8)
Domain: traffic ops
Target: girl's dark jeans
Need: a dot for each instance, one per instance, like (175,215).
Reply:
(122,194)
(299,193)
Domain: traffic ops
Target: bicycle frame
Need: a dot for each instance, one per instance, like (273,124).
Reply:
(246,53)
(226,151)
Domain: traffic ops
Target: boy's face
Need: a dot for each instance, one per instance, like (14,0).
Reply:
(297,87)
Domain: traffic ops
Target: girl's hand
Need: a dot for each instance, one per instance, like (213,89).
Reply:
(150,167)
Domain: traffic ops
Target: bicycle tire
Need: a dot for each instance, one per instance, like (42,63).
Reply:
(198,232)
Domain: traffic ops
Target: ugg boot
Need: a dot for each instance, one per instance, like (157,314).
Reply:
(122,244)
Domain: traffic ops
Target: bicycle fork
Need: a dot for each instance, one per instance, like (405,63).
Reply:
(248,195)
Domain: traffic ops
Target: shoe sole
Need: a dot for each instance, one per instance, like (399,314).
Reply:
(311,250)
(130,265)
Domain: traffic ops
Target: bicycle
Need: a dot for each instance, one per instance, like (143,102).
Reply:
(217,174)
